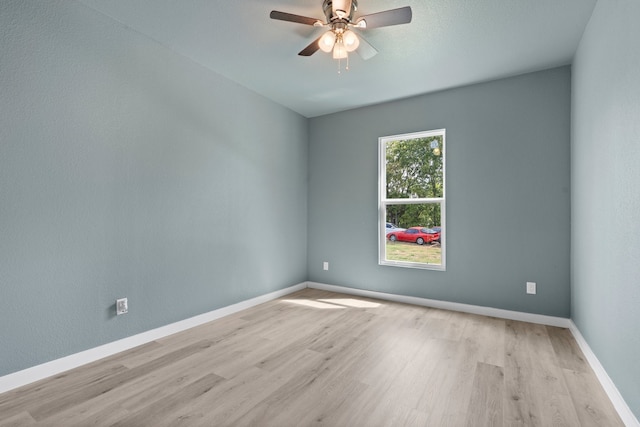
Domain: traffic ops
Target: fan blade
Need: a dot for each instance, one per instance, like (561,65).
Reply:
(290,17)
(386,18)
(366,50)
(311,49)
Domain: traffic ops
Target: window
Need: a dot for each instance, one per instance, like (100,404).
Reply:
(412,200)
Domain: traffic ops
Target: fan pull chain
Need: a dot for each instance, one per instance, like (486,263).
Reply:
(340,65)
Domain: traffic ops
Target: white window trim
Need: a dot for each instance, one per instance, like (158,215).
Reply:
(383,201)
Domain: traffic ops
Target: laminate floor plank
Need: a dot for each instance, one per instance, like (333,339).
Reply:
(411,383)
(487,396)
(588,398)
(156,384)
(236,399)
(96,388)
(369,408)
(21,419)
(566,349)
(517,353)
(304,408)
(52,389)
(538,393)
(137,355)
(318,358)
(329,379)
(485,338)
(89,416)
(172,410)
(298,397)
(375,364)
(555,402)
(215,331)
(451,385)
(317,337)
(522,405)
(444,328)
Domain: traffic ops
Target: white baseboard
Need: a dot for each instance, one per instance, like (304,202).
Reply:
(54,367)
(453,306)
(628,418)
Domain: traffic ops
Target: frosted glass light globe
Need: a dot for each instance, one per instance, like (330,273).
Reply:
(327,41)
(350,41)
(339,51)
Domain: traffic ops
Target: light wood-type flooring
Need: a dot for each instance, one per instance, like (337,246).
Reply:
(321,358)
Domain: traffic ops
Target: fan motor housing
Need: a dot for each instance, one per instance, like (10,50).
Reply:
(327,8)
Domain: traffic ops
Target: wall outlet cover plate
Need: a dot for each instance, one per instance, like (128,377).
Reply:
(122,306)
(531,288)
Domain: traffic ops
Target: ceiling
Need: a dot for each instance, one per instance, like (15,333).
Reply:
(449,43)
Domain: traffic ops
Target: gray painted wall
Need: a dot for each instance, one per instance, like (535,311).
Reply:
(126,170)
(508,206)
(605,303)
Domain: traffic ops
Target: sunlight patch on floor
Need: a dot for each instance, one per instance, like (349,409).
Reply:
(350,302)
(334,303)
(314,304)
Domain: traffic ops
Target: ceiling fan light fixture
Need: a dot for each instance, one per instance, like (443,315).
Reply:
(340,20)
(327,41)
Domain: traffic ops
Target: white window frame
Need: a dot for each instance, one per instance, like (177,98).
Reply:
(383,201)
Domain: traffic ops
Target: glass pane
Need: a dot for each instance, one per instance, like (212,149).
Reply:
(417,235)
(414,168)
(421,215)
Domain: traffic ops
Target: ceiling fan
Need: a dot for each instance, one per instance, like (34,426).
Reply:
(340,39)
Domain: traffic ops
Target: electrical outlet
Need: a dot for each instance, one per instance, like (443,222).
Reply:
(531,288)
(122,306)
(325,265)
